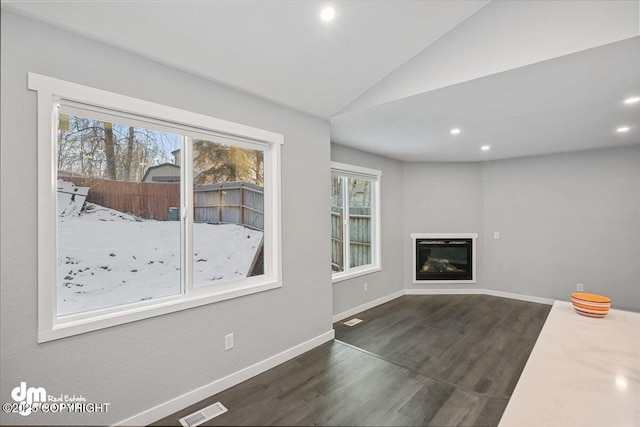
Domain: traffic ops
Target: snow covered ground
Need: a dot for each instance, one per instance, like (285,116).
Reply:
(108,258)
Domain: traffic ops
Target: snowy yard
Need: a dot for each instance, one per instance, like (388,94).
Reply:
(108,258)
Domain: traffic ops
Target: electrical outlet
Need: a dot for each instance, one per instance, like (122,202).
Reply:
(366,287)
(228,342)
(580,287)
(496,235)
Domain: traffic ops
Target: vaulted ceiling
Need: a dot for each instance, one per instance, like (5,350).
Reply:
(394,77)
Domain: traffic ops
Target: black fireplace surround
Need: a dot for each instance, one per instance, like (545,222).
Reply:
(444,259)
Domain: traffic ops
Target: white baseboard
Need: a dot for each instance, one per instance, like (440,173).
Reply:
(521,297)
(474,291)
(367,306)
(167,408)
(491,292)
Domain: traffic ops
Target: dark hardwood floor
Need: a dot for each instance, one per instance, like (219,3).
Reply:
(417,360)
(477,342)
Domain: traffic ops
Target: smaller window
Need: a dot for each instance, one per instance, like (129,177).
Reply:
(355,221)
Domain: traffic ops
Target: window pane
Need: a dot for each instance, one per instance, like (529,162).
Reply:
(337,221)
(118,229)
(228,197)
(360,224)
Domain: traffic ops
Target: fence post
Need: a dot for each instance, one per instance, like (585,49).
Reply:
(219,205)
(242,204)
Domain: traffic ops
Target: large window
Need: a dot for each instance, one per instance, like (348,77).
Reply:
(145,209)
(355,221)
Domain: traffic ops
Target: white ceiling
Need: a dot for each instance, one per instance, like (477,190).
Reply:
(393,77)
(279,50)
(574,102)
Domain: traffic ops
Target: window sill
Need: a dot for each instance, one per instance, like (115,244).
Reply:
(353,274)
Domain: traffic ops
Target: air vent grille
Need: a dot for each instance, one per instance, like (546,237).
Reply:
(353,321)
(203,415)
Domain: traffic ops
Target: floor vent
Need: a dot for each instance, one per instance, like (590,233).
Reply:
(353,321)
(203,415)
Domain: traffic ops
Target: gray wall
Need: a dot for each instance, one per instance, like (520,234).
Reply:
(565,219)
(142,364)
(350,293)
(441,198)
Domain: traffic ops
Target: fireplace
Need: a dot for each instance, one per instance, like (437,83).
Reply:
(444,258)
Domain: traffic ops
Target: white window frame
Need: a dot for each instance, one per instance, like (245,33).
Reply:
(50,93)
(374,175)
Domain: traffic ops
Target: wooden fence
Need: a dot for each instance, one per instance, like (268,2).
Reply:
(224,203)
(142,199)
(359,237)
(337,246)
(230,203)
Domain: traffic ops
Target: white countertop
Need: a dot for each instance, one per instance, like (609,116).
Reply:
(582,371)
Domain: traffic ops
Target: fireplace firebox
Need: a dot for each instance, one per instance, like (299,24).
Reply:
(444,258)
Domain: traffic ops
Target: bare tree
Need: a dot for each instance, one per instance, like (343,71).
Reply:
(129,156)
(101,149)
(109,150)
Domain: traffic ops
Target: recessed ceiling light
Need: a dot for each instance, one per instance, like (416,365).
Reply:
(621,383)
(485,148)
(454,131)
(632,100)
(622,129)
(327,14)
